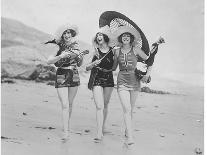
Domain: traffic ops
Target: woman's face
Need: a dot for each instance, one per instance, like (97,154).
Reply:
(67,36)
(100,38)
(126,38)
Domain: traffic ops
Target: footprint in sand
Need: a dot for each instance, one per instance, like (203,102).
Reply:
(114,125)
(39,127)
(24,113)
(87,131)
(162,135)
(11,140)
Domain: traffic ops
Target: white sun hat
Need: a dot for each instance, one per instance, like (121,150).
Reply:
(65,27)
(124,29)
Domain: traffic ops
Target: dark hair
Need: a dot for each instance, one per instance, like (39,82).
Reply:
(73,33)
(106,38)
(131,37)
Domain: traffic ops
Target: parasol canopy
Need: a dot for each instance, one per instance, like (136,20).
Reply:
(115,19)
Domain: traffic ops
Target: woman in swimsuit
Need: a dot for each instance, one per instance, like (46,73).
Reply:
(128,85)
(67,76)
(101,80)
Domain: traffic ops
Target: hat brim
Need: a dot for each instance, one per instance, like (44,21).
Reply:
(127,29)
(62,28)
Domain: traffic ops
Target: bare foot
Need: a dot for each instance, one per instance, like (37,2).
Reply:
(129,142)
(126,133)
(106,131)
(65,136)
(98,138)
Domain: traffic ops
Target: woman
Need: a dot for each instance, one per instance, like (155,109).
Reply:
(127,84)
(101,81)
(67,78)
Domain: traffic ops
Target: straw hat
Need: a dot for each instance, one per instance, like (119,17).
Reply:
(105,30)
(123,29)
(62,28)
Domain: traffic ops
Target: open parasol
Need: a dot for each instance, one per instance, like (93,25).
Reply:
(115,19)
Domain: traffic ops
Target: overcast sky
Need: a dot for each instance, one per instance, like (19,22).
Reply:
(181,22)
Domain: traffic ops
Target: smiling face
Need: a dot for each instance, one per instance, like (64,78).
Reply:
(126,38)
(100,38)
(67,36)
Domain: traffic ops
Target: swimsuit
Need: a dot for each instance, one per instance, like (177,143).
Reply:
(126,79)
(103,79)
(67,75)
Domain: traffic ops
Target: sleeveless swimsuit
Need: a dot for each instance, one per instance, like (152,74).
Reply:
(104,79)
(126,79)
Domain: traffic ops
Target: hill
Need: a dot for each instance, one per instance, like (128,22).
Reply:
(22,45)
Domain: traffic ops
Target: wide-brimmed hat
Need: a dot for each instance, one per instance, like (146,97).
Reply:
(65,27)
(127,29)
(105,30)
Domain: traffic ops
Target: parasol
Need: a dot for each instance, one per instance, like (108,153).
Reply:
(115,19)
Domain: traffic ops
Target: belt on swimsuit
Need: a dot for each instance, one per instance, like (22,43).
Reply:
(69,67)
(127,70)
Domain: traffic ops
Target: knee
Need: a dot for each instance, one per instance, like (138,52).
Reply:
(106,106)
(127,109)
(65,105)
(99,106)
(70,105)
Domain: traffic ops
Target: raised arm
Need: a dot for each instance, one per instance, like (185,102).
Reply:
(138,51)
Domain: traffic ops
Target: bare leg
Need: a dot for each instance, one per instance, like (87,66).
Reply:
(126,105)
(63,96)
(107,91)
(72,91)
(99,101)
(133,97)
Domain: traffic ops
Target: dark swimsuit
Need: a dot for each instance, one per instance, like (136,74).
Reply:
(104,79)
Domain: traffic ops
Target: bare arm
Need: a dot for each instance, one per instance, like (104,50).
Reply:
(53,58)
(93,62)
(140,52)
(116,53)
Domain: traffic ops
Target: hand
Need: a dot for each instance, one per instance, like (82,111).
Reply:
(146,79)
(64,55)
(78,58)
(161,40)
(96,62)
(104,70)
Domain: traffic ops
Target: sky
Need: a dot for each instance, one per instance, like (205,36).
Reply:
(180,22)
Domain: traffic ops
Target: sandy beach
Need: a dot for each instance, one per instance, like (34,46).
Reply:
(169,124)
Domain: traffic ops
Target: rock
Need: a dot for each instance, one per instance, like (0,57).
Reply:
(51,83)
(3,80)
(148,90)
